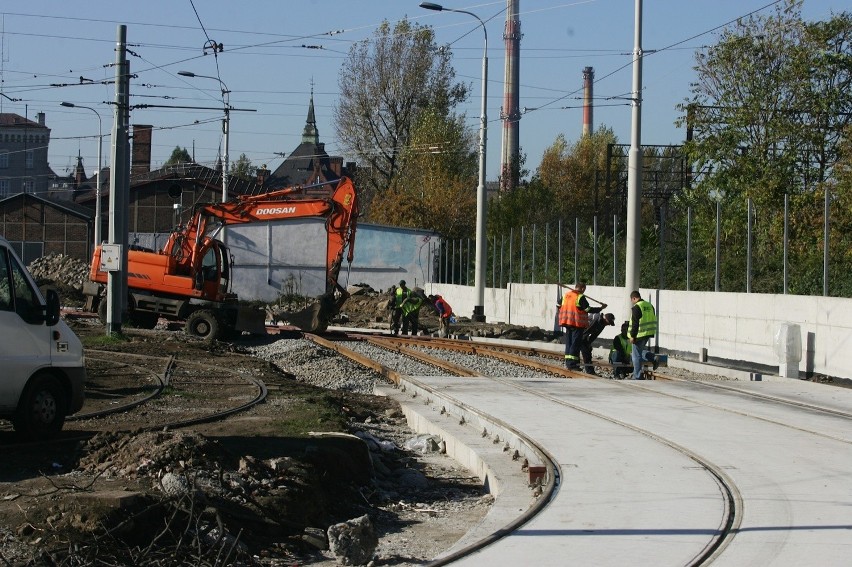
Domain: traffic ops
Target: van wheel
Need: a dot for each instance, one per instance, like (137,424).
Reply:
(41,409)
(203,324)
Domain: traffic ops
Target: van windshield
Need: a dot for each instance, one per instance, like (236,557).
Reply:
(17,292)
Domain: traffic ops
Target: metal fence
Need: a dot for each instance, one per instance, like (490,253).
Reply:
(719,245)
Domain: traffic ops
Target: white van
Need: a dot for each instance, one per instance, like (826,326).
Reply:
(42,367)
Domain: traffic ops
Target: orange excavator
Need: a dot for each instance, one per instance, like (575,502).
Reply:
(190,278)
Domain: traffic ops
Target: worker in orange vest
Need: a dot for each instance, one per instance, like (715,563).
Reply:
(574,319)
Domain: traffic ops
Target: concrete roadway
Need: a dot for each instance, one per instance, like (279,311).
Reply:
(632,485)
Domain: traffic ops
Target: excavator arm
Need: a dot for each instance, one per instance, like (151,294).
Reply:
(335,201)
(338,205)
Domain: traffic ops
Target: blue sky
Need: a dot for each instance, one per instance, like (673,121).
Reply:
(274,51)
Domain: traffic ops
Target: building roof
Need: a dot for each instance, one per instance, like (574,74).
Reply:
(66,206)
(192,172)
(12,119)
(308,163)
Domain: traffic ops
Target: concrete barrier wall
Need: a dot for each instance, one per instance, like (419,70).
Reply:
(735,327)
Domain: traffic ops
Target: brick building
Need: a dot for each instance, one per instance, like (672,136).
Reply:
(23,155)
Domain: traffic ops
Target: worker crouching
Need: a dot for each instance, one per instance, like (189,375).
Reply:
(445,314)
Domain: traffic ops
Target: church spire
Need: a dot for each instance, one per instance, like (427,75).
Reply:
(310,133)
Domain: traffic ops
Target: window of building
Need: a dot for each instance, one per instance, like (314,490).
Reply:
(29,159)
(4,188)
(27,186)
(4,159)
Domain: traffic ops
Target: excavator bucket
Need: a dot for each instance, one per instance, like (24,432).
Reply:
(316,317)
(251,320)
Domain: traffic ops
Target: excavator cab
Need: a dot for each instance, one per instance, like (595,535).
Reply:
(214,275)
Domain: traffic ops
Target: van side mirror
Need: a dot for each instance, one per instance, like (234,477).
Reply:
(51,315)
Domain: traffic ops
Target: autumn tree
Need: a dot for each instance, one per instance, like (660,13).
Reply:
(572,172)
(439,178)
(386,83)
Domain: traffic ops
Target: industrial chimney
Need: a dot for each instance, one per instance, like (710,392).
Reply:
(588,86)
(511,113)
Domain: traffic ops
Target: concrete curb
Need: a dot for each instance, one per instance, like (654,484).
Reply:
(500,456)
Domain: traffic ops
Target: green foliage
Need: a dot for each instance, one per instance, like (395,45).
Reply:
(574,174)
(769,116)
(105,340)
(242,168)
(179,155)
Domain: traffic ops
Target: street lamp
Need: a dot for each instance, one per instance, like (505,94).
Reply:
(100,168)
(226,126)
(481,244)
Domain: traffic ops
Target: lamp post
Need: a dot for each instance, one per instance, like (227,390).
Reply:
(100,168)
(481,244)
(226,126)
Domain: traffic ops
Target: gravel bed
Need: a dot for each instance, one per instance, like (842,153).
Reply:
(317,365)
(485,365)
(395,361)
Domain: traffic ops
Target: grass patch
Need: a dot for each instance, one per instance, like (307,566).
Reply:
(112,339)
(313,413)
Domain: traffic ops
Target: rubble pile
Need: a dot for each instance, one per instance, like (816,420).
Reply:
(184,478)
(368,308)
(64,273)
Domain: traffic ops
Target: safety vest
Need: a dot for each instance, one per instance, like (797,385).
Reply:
(570,314)
(413,304)
(647,320)
(401,294)
(624,343)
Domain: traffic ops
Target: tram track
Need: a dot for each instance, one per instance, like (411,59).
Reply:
(732,501)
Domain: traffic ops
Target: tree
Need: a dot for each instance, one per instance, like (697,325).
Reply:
(439,173)
(768,114)
(242,168)
(386,83)
(179,155)
(572,174)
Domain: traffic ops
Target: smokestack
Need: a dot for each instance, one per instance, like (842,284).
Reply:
(511,112)
(141,155)
(588,107)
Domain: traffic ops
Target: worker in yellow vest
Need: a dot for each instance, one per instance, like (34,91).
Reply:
(643,326)
(399,296)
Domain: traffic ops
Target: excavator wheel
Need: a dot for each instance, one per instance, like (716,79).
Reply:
(203,324)
(102,310)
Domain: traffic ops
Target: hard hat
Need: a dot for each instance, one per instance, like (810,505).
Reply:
(401,282)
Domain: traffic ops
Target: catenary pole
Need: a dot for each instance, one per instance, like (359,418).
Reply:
(634,168)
